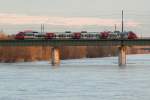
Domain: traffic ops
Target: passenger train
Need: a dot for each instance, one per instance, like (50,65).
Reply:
(29,34)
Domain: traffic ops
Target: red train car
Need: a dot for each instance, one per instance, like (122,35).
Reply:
(50,35)
(20,36)
(27,35)
(76,35)
(104,35)
(132,35)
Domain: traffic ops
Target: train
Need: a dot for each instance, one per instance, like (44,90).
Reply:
(29,34)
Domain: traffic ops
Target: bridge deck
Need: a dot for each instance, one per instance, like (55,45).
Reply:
(73,42)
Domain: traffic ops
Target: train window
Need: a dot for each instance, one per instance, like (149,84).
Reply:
(67,31)
(83,31)
(35,32)
(29,34)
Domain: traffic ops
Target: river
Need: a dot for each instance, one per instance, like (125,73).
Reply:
(80,79)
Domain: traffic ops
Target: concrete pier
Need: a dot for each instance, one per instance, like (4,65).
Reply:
(55,59)
(122,56)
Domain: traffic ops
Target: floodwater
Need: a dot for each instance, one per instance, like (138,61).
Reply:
(80,79)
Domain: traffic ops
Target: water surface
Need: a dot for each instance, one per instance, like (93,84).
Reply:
(80,79)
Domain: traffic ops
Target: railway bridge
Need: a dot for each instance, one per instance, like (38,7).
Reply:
(120,43)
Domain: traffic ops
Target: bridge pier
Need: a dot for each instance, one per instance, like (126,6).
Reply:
(55,56)
(122,56)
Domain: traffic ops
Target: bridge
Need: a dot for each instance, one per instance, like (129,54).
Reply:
(120,43)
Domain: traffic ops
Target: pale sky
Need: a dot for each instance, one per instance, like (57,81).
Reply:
(75,15)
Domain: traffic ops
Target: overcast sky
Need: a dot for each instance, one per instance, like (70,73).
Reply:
(76,15)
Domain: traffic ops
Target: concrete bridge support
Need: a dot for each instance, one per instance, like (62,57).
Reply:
(55,59)
(122,56)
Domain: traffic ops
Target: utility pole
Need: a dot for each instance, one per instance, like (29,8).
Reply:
(115,27)
(122,22)
(42,28)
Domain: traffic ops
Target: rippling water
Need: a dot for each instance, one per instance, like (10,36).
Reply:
(81,79)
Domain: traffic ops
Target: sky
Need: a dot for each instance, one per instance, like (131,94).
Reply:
(74,15)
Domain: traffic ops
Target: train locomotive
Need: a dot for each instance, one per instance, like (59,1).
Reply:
(118,35)
(28,34)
